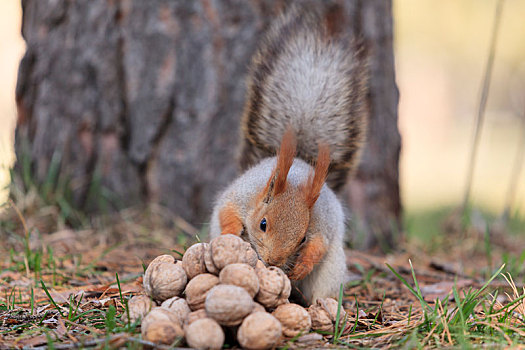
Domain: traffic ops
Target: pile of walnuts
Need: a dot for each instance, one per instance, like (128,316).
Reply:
(221,286)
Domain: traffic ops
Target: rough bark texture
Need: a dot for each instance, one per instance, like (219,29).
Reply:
(144,97)
(373,195)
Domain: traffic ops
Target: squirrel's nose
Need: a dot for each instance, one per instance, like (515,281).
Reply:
(268,260)
(275,262)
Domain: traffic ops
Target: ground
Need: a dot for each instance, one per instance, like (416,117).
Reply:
(66,288)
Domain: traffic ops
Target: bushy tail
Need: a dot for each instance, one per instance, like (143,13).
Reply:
(305,78)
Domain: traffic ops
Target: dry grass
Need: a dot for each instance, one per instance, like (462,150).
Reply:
(58,286)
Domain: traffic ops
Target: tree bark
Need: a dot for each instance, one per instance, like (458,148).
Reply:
(143,98)
(373,195)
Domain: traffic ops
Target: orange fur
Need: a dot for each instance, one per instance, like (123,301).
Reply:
(317,178)
(310,255)
(230,221)
(277,182)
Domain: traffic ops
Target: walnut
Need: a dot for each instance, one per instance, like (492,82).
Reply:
(258,307)
(161,326)
(259,330)
(159,314)
(193,260)
(321,320)
(138,307)
(331,305)
(164,278)
(204,333)
(250,256)
(194,316)
(228,249)
(241,275)
(228,304)
(259,265)
(324,314)
(178,306)
(163,258)
(274,287)
(162,332)
(198,288)
(294,319)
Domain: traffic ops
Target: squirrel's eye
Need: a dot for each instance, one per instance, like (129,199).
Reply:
(262,225)
(304,240)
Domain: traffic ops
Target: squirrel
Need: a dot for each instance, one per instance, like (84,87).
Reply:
(306,102)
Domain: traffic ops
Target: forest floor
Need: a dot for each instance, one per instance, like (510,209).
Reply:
(65,288)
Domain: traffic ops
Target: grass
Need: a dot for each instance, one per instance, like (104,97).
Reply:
(35,273)
(339,323)
(452,323)
(76,316)
(469,319)
(386,306)
(55,189)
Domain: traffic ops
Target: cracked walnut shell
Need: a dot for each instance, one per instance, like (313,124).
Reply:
(324,314)
(164,278)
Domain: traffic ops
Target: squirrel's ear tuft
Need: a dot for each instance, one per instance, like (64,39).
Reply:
(277,182)
(316,180)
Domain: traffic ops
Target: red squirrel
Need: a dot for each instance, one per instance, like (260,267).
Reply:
(306,97)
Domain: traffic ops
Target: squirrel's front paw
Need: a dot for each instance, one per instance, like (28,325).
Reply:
(310,255)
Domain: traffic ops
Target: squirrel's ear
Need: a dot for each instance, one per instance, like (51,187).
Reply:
(277,182)
(316,180)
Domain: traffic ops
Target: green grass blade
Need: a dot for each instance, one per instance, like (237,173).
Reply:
(51,299)
(32,301)
(412,290)
(122,300)
(338,316)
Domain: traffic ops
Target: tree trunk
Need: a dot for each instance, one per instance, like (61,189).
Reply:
(373,194)
(143,98)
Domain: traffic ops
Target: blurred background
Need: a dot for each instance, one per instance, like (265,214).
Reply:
(441,49)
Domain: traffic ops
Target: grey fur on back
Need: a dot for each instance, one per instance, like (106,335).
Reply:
(303,77)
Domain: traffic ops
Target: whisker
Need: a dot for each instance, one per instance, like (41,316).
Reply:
(257,240)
